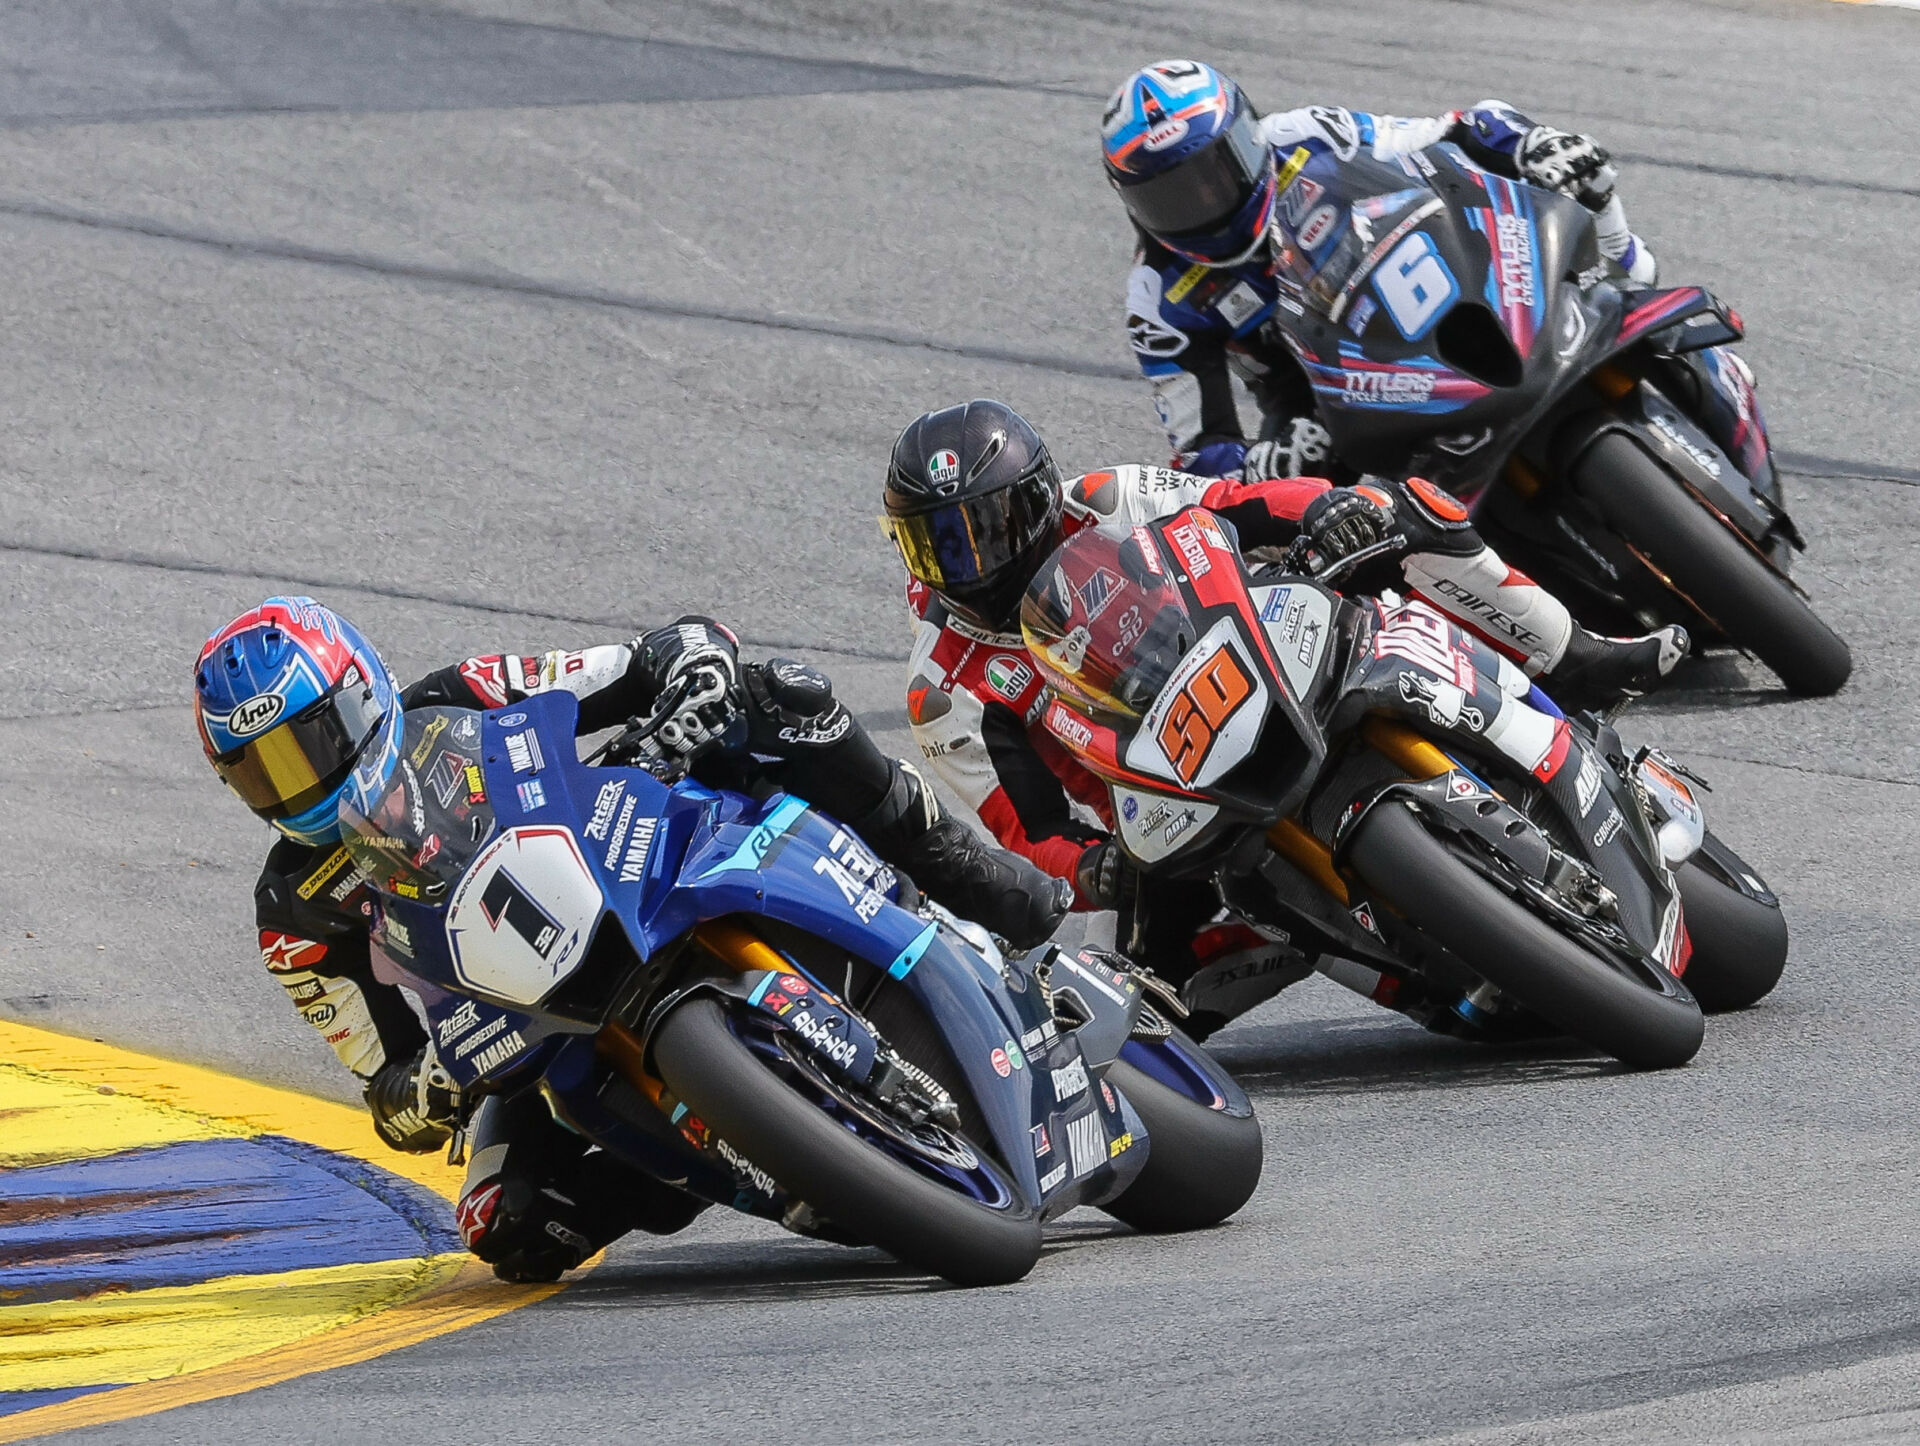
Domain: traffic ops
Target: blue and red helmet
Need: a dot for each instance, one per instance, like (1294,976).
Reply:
(1183,148)
(295,708)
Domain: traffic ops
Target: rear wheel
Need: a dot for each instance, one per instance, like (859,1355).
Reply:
(1649,1023)
(854,1183)
(1203,1160)
(1747,600)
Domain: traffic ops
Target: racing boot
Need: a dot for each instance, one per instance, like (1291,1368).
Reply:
(956,868)
(1598,672)
(538,1202)
(1449,566)
(831,761)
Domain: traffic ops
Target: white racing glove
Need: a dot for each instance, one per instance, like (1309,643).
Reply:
(1573,165)
(1295,453)
(694,670)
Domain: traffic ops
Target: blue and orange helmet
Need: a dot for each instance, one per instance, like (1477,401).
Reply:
(295,710)
(1183,148)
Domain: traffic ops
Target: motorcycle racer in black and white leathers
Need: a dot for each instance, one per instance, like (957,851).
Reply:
(1213,192)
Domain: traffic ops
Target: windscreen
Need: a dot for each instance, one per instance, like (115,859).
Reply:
(1336,216)
(1105,623)
(432,817)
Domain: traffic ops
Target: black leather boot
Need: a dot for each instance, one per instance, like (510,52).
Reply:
(1597,672)
(958,869)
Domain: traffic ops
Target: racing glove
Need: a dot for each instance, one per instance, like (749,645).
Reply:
(1216,459)
(693,672)
(1296,453)
(1343,520)
(414,1102)
(1573,165)
(791,705)
(1105,878)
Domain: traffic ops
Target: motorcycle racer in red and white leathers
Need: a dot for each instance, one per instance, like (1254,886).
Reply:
(975,506)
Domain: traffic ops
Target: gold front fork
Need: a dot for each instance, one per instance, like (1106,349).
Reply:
(733,945)
(1407,750)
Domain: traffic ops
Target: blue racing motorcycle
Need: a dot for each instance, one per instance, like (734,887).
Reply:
(735,996)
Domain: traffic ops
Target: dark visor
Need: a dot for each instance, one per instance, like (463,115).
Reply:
(1205,190)
(291,767)
(966,547)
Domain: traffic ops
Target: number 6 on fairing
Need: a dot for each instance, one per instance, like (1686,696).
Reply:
(1415,285)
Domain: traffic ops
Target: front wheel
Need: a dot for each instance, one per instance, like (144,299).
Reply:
(851,1182)
(1739,940)
(1513,948)
(1713,569)
(1203,1159)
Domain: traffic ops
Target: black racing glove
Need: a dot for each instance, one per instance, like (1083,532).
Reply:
(693,671)
(1105,878)
(791,705)
(1343,520)
(414,1102)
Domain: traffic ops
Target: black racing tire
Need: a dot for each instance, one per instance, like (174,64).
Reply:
(852,1183)
(1739,943)
(1202,1164)
(1754,606)
(1516,950)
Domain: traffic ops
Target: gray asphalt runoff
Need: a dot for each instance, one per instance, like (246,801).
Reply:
(504,324)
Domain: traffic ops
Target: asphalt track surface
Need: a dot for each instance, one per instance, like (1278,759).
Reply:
(518,324)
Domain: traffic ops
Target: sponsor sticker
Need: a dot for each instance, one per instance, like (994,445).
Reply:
(523,752)
(1317,228)
(1008,676)
(1002,1066)
(1070,1082)
(255,715)
(1086,1144)
(944,465)
(633,867)
(532,795)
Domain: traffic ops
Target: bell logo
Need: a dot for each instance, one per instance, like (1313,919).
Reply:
(944,465)
(1170,131)
(255,714)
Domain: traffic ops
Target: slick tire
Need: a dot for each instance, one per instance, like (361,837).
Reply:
(1739,943)
(1519,952)
(845,1179)
(1739,594)
(1202,1164)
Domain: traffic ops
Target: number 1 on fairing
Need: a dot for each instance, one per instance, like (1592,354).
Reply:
(1414,285)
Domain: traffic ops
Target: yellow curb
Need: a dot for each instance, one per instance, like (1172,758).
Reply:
(57,1090)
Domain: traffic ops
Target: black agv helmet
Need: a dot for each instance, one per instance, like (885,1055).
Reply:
(973,503)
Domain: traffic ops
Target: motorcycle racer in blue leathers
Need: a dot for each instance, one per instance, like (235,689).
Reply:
(1210,185)
(297,713)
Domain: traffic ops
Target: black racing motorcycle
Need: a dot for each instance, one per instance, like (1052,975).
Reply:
(1385,793)
(1466,328)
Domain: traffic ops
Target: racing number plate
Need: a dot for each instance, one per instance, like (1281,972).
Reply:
(1201,710)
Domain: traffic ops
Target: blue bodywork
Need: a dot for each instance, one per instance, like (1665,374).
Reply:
(666,858)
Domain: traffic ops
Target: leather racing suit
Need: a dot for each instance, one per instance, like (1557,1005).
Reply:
(975,700)
(537,1200)
(1194,327)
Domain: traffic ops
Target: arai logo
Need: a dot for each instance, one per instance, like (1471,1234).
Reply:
(255,714)
(944,465)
